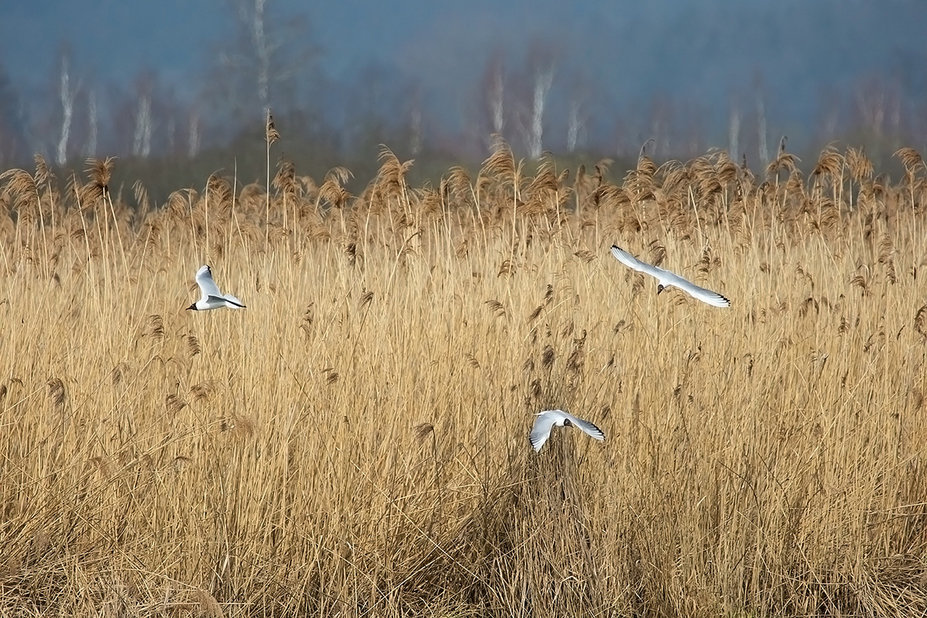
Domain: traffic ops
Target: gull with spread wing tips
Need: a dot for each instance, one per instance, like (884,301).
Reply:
(211,297)
(667,279)
(546,421)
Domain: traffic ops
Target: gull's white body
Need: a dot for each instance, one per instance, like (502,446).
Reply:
(667,279)
(546,421)
(211,297)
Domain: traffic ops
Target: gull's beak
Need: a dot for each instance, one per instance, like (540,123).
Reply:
(193,307)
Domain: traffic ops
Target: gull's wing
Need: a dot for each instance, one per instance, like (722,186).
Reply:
(632,262)
(232,302)
(208,287)
(542,426)
(699,293)
(706,296)
(587,427)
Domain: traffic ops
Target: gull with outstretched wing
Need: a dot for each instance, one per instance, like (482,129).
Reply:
(666,279)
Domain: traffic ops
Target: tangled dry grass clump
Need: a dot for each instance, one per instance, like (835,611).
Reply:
(355,442)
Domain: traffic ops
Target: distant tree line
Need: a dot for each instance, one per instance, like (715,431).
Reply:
(533,99)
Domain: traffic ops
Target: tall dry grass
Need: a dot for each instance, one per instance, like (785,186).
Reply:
(355,442)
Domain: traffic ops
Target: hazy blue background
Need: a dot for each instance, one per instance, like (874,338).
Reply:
(413,74)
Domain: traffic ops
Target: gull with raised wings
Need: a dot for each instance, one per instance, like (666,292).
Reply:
(211,297)
(547,419)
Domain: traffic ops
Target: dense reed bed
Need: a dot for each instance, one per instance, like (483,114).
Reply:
(354,443)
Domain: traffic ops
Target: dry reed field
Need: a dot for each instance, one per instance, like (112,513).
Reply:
(355,442)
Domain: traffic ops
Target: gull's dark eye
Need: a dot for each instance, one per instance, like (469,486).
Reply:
(566,422)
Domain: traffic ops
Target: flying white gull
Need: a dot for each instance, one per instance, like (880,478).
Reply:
(667,279)
(545,423)
(211,297)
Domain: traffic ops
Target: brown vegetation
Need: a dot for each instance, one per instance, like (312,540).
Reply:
(355,442)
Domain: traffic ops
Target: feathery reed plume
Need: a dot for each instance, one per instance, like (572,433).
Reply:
(828,169)
(154,327)
(500,164)
(639,182)
(285,179)
(859,165)
(545,178)
(829,165)
(458,184)
(643,150)
(270,136)
(332,190)
(42,173)
(577,358)
(705,261)
(807,305)
(726,169)
(886,256)
(423,430)
(42,178)
(141,196)
(861,279)
(911,159)
(270,133)
(391,181)
(784,161)
(795,185)
(117,375)
(534,314)
(545,190)
(286,184)
(174,403)
(657,252)
(585,186)
(57,394)
(21,187)
(193,345)
(496,307)
(920,321)
(101,172)
(204,391)
(507,268)
(548,356)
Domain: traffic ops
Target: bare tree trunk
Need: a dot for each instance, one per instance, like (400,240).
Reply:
(417,131)
(576,125)
(67,110)
(171,134)
(141,144)
(733,134)
(92,124)
(660,134)
(761,128)
(263,52)
(543,78)
(193,144)
(495,98)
